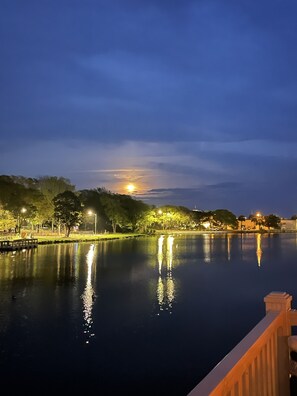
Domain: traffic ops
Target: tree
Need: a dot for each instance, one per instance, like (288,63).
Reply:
(258,219)
(67,210)
(114,211)
(17,192)
(167,218)
(272,221)
(241,218)
(51,186)
(150,221)
(27,182)
(7,220)
(175,217)
(201,218)
(11,193)
(134,210)
(224,217)
(91,200)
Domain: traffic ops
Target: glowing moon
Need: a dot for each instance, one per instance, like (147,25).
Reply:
(131,188)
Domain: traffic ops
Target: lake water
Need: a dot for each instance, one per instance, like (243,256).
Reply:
(140,316)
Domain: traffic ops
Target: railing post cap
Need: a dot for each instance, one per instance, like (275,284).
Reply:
(277,295)
(278,301)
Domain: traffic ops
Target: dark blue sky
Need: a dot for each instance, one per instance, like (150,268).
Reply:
(194,101)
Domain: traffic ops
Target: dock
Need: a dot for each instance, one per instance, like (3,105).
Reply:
(18,244)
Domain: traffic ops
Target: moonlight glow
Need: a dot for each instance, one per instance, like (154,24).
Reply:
(131,188)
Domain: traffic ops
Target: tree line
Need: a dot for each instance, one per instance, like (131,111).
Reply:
(54,202)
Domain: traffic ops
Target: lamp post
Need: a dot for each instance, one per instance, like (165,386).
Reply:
(259,219)
(90,212)
(160,213)
(23,210)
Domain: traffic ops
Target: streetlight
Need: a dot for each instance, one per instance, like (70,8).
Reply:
(90,213)
(259,219)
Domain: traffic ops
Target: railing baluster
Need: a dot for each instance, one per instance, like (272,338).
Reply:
(245,384)
(260,373)
(265,370)
(274,363)
(251,379)
(257,376)
(269,367)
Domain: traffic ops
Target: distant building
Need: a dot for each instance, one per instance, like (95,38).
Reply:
(250,225)
(247,225)
(288,225)
(285,225)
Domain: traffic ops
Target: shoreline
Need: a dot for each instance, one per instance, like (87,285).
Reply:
(80,238)
(46,240)
(194,232)
(56,239)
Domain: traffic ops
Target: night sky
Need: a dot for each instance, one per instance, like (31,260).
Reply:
(193,101)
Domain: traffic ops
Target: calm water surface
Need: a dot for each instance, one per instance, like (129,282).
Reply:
(141,316)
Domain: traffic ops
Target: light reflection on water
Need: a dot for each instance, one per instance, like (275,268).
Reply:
(229,246)
(211,244)
(207,247)
(166,282)
(88,295)
(259,250)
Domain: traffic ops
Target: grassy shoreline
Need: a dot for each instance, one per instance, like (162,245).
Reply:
(44,240)
(73,238)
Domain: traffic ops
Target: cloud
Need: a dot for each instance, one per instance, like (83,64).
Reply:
(191,71)
(186,193)
(206,176)
(170,94)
